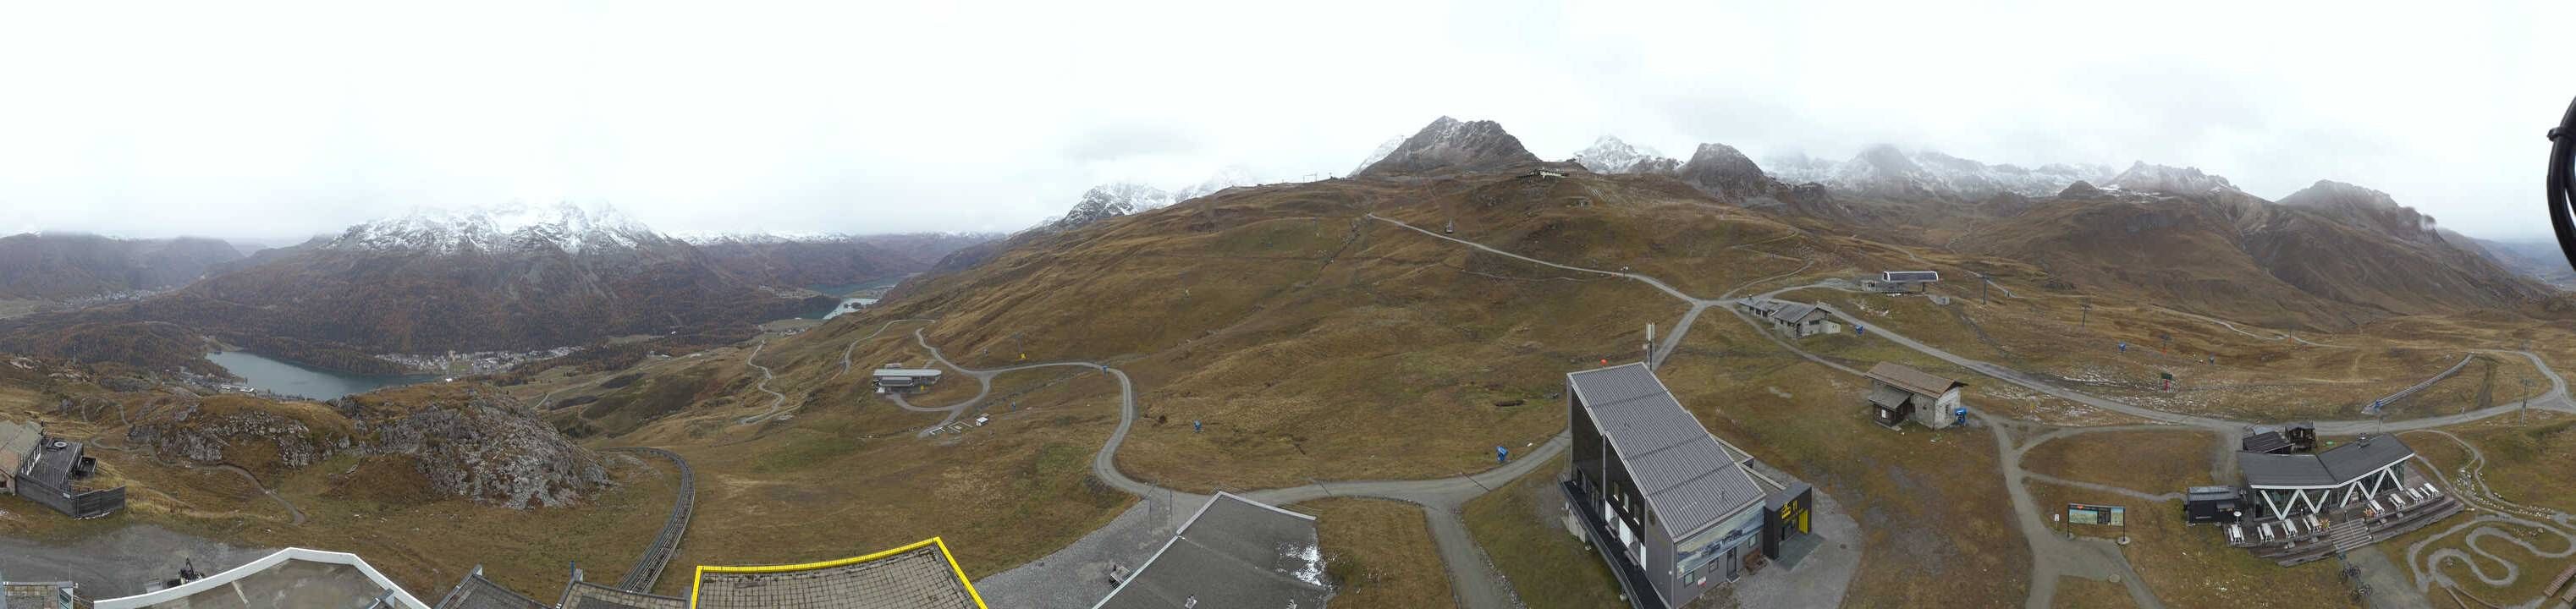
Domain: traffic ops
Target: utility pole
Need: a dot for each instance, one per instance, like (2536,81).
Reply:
(2526,399)
(2085,319)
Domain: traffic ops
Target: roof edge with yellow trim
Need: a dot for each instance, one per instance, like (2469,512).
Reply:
(703,570)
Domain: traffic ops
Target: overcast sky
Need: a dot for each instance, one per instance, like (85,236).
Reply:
(249,119)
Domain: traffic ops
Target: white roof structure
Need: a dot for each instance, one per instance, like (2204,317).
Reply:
(293,577)
(907,372)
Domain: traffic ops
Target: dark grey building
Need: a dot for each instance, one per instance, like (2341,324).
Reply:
(46,470)
(1671,508)
(2286,485)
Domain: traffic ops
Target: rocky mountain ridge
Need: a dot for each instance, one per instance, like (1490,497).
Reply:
(1451,145)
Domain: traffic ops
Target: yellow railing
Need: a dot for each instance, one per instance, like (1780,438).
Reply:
(703,570)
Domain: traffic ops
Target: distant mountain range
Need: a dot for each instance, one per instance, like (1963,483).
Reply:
(507,278)
(60,266)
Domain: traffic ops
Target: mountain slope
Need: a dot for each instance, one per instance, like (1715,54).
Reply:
(2331,256)
(53,266)
(832,260)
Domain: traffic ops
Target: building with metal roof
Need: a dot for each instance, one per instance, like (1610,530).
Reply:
(44,469)
(922,575)
(904,380)
(1234,552)
(1672,509)
(2290,484)
(293,577)
(1793,319)
(1899,393)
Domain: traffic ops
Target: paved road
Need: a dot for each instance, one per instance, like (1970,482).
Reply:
(2556,399)
(854,344)
(776,399)
(1657,283)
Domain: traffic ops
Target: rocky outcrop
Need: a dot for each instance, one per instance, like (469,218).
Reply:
(2080,190)
(1452,145)
(490,449)
(472,442)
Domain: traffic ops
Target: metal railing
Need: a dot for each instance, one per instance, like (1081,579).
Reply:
(2375,406)
(648,568)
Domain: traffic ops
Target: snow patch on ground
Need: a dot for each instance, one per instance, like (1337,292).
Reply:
(1310,561)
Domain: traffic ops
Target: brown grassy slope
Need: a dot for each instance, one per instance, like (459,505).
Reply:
(1520,527)
(817,487)
(1926,502)
(2152,462)
(2248,260)
(1380,554)
(1318,344)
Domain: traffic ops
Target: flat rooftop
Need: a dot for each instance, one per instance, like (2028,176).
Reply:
(1234,553)
(288,584)
(906,372)
(586,595)
(918,576)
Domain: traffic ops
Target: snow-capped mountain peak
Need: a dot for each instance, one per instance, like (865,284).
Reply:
(1889,171)
(509,228)
(1229,177)
(1610,155)
(2143,177)
(1380,154)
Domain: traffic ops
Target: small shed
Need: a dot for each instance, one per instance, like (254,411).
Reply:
(1901,282)
(905,380)
(2213,503)
(1899,393)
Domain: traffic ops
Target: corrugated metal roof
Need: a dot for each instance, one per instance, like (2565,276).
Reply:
(1792,312)
(1907,378)
(1687,476)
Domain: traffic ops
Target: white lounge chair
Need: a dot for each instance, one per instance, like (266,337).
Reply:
(2290,528)
(2236,534)
(2265,530)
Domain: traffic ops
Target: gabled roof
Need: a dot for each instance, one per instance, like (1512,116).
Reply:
(1687,476)
(1909,379)
(2265,442)
(1234,552)
(2333,467)
(1795,312)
